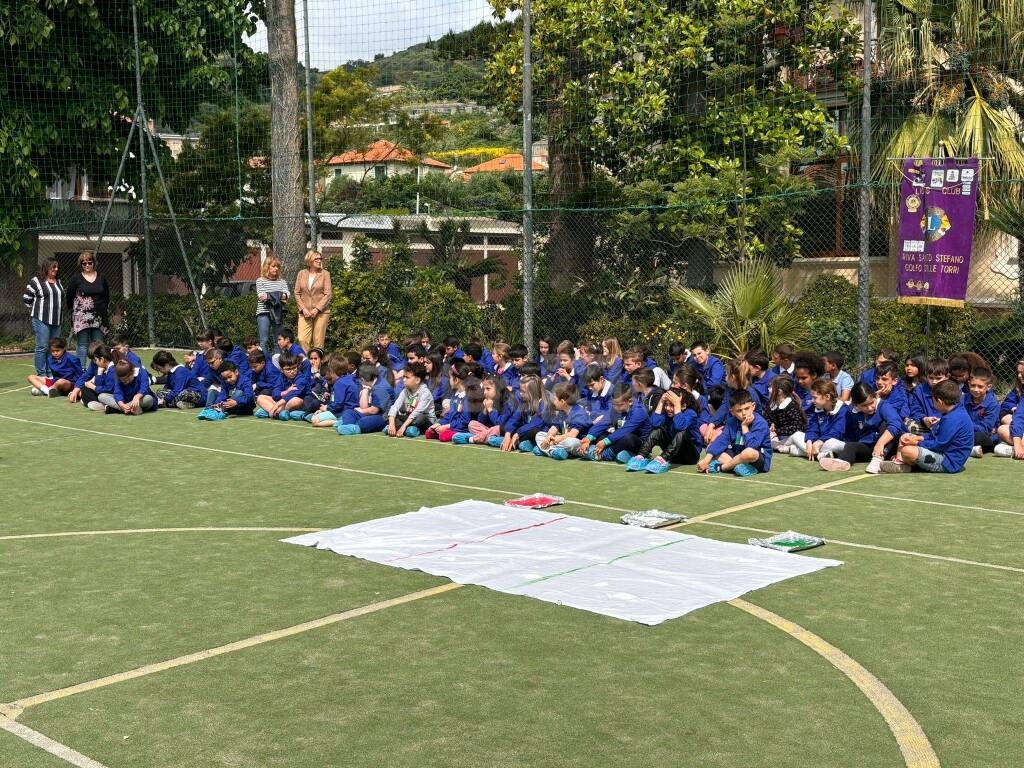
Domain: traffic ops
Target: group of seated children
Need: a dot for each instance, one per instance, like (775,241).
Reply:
(594,402)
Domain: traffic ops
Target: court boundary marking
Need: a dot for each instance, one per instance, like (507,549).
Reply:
(45,743)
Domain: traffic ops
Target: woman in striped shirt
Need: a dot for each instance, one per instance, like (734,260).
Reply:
(271,298)
(44,297)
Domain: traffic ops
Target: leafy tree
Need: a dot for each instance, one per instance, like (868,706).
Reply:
(668,92)
(346,106)
(68,84)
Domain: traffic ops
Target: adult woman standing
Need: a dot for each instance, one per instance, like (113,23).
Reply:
(44,297)
(88,297)
(313,295)
(271,296)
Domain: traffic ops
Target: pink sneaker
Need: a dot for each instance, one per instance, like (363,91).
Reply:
(830,464)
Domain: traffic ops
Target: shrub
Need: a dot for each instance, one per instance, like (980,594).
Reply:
(902,327)
(177,320)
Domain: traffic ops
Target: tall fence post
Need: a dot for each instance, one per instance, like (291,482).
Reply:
(864,266)
(140,115)
(313,236)
(527,181)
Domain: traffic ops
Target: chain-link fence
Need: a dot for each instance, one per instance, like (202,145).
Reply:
(670,142)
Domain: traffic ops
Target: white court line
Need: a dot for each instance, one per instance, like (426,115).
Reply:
(890,550)
(299,462)
(40,440)
(925,501)
(19,389)
(55,748)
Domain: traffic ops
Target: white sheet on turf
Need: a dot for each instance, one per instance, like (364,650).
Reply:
(630,573)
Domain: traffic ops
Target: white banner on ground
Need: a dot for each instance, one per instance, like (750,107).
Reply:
(630,573)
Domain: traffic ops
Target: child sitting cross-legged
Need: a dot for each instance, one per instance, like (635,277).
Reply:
(95,387)
(621,433)
(983,408)
(285,400)
(564,423)
(235,396)
(499,413)
(456,418)
(64,371)
(339,372)
(826,424)
(376,394)
(873,427)
(948,446)
(533,405)
(744,445)
(675,429)
(132,394)
(413,410)
(923,414)
(181,389)
(784,414)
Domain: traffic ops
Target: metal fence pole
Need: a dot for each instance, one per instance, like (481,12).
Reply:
(309,134)
(140,114)
(864,267)
(527,182)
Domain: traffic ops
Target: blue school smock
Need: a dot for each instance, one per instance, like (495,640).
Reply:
(921,403)
(870,377)
(139,384)
(685,421)
(953,437)
(635,420)
(733,440)
(201,370)
(241,391)
(827,425)
(299,386)
(985,414)
(614,371)
(1010,403)
(761,386)
(266,380)
(396,359)
(898,399)
(507,419)
(67,367)
(722,414)
(458,416)
(181,379)
(575,418)
(239,358)
(511,375)
(712,372)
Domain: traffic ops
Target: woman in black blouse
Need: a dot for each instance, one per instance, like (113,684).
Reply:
(88,297)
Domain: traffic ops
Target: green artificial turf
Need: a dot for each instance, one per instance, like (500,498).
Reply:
(474,677)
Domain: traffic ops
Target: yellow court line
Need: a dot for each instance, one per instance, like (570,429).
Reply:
(114,531)
(913,743)
(889,550)
(55,748)
(15,708)
(762,502)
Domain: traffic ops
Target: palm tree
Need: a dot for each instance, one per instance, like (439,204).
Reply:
(748,311)
(447,243)
(948,87)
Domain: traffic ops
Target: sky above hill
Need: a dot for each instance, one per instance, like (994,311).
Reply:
(344,30)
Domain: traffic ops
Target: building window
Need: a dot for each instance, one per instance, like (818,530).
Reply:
(380,172)
(337,173)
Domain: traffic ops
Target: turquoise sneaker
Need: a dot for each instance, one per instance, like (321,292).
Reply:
(558,453)
(495,441)
(636,463)
(309,417)
(537,451)
(714,467)
(461,438)
(745,470)
(624,457)
(657,466)
(412,432)
(526,446)
(297,415)
(261,413)
(348,429)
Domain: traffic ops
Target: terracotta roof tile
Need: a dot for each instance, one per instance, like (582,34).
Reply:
(513,162)
(383,151)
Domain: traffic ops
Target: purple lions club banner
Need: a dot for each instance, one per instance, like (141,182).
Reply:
(938,198)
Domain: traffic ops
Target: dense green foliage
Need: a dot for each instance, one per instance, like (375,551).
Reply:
(68,84)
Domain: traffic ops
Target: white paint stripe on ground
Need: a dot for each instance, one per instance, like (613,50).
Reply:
(925,501)
(876,548)
(19,389)
(55,748)
(119,531)
(299,462)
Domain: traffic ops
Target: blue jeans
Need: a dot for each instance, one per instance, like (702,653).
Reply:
(83,339)
(268,334)
(44,332)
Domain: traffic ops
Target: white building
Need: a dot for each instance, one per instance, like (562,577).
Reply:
(381,160)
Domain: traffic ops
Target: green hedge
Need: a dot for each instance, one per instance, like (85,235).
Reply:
(177,320)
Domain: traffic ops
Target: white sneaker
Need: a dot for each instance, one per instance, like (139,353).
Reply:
(830,464)
(96,405)
(782,449)
(874,466)
(1003,450)
(895,468)
(37,392)
(976,452)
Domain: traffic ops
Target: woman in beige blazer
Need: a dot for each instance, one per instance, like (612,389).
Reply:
(313,295)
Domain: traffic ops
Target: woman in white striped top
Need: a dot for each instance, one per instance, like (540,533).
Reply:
(272,296)
(44,297)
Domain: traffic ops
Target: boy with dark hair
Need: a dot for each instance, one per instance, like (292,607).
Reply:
(833,364)
(678,355)
(181,389)
(119,341)
(286,343)
(950,443)
(884,355)
(412,413)
(782,359)
(647,391)
(890,388)
(97,381)
(707,365)
(234,353)
(760,375)
(285,400)
(64,370)
(235,397)
(390,351)
(923,414)
(744,445)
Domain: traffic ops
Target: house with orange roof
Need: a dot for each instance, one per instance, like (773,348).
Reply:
(512,162)
(381,160)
